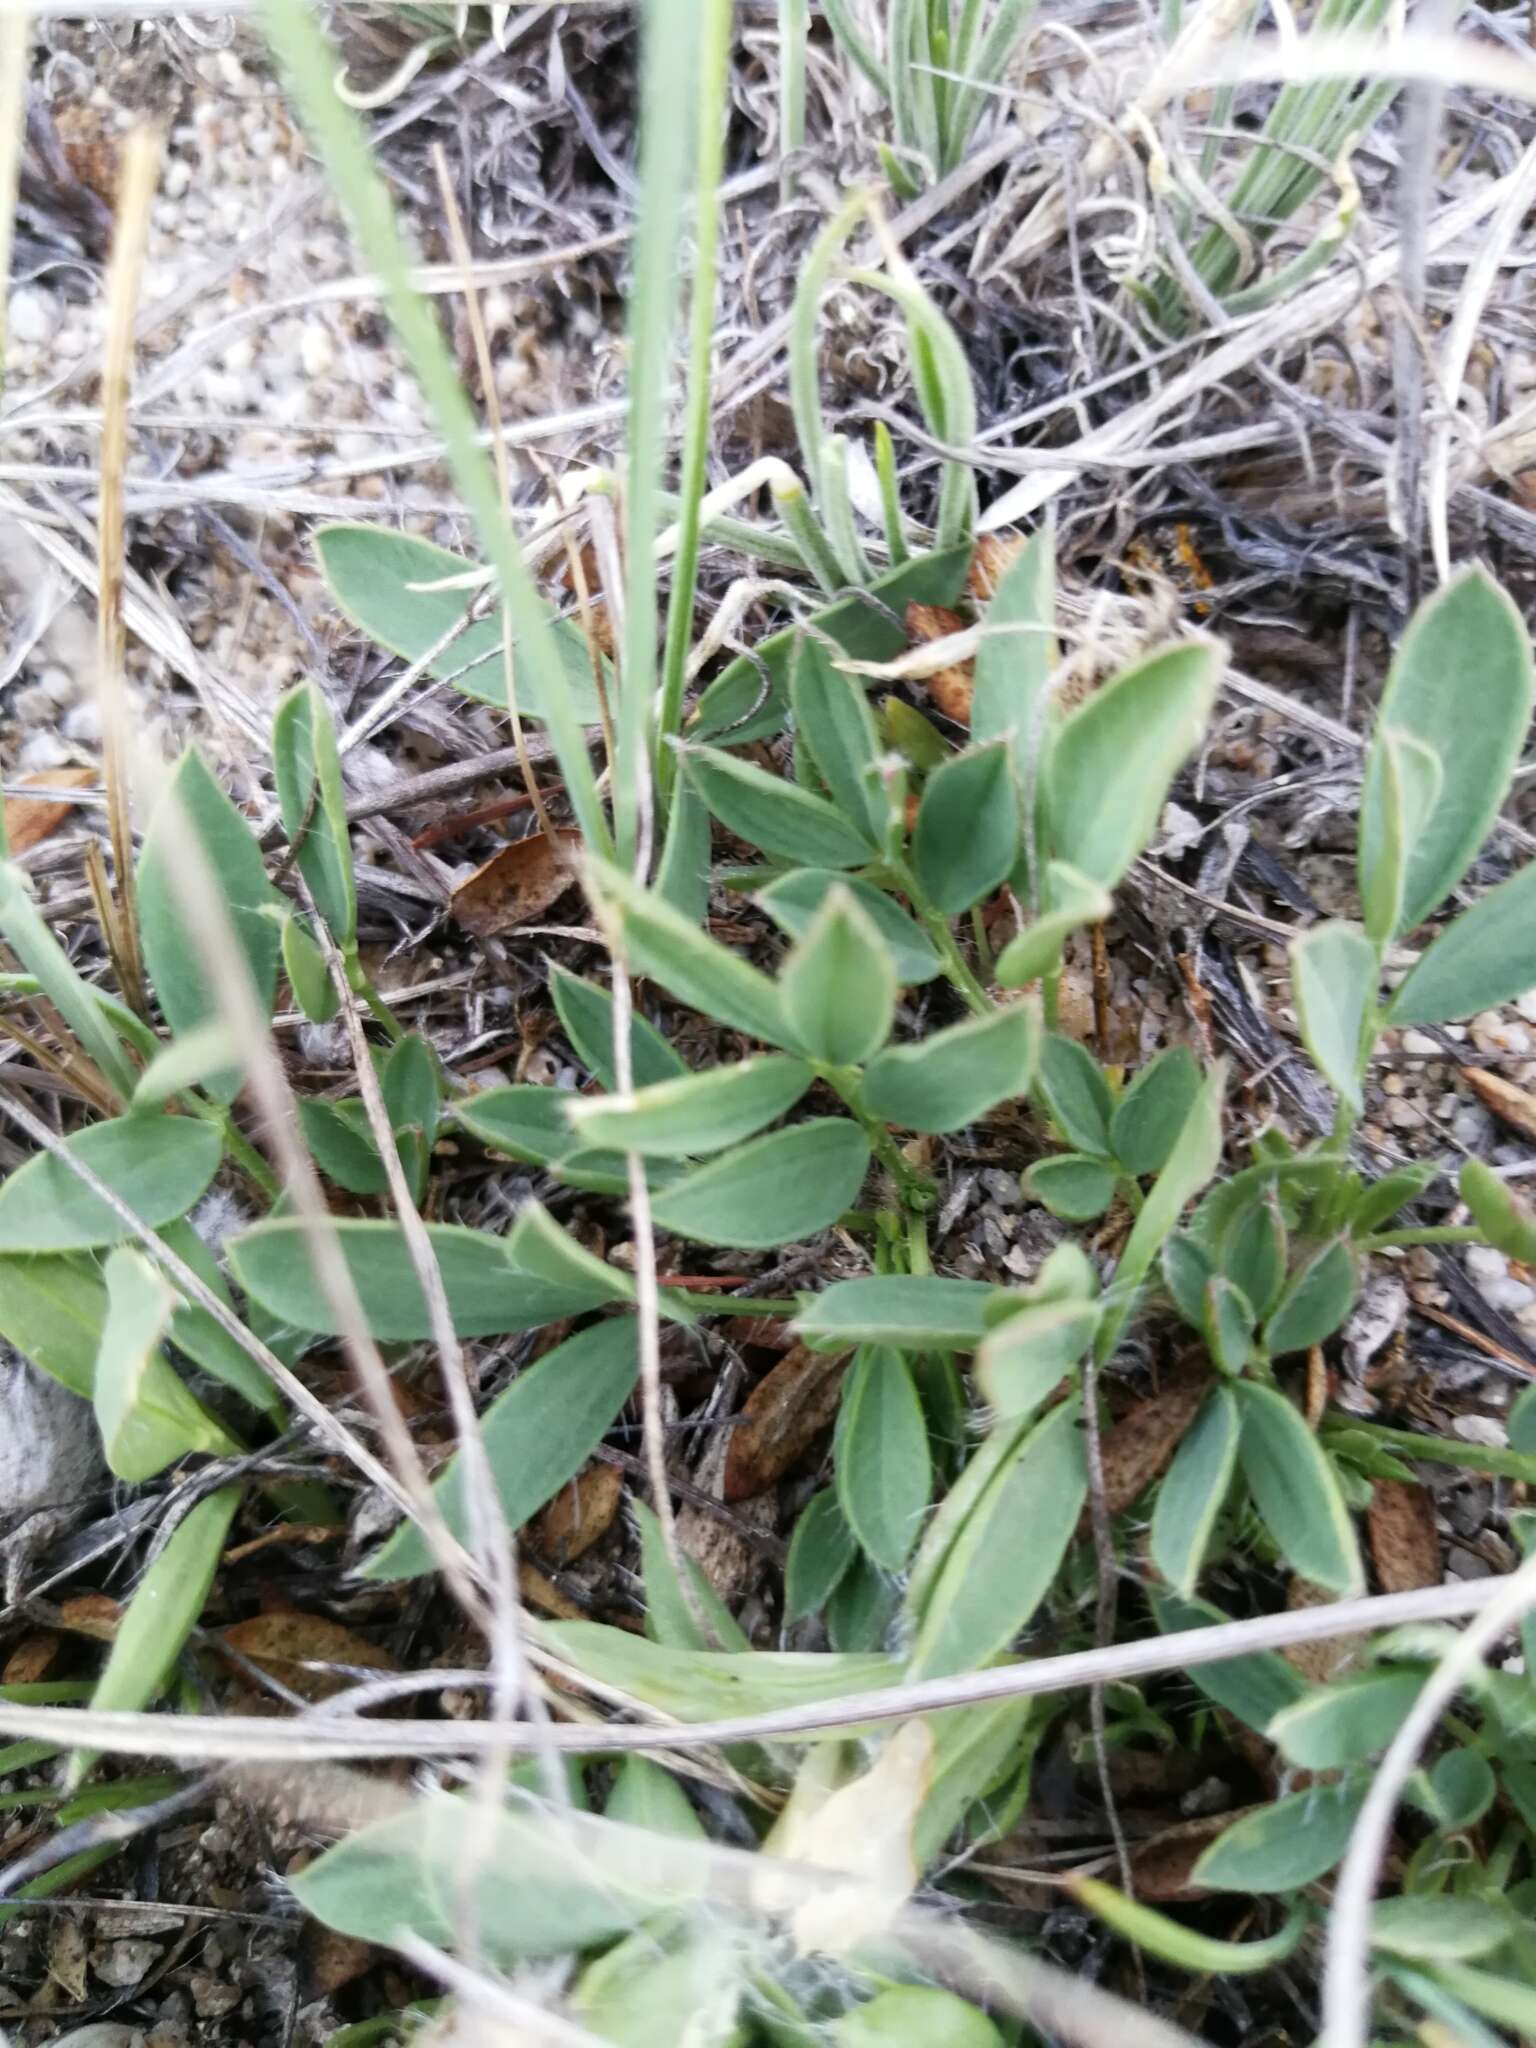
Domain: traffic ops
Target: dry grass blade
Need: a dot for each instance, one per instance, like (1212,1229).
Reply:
(245,1738)
(14,37)
(136,192)
(1346,1984)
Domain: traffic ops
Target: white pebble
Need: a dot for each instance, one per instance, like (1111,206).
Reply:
(1486,1265)
(316,350)
(1480,1429)
(34,315)
(1418,1047)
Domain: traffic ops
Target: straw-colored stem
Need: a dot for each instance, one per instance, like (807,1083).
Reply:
(714,74)
(136,192)
(13,88)
(458,243)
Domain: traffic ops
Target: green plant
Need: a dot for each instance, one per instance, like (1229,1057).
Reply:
(958,1514)
(936,67)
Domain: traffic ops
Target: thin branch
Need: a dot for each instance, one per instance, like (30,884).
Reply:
(248,1738)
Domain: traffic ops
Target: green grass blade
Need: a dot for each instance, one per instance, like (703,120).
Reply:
(714,78)
(309,64)
(668,80)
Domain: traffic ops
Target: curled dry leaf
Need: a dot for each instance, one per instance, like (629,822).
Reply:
(332,1960)
(783,1416)
(31,1659)
(581,1512)
(545,1595)
(91,1614)
(518,884)
(1513,1106)
(1405,1544)
(29,820)
(951,688)
(287,1643)
(1162,1864)
(994,552)
(1140,1445)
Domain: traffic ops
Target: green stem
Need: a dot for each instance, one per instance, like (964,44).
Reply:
(1436,1450)
(1050,995)
(915,1190)
(1131,1190)
(245,1155)
(714,71)
(360,985)
(747,1305)
(1439,1233)
(795,511)
(956,967)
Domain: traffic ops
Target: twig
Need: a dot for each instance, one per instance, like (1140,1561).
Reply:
(463,256)
(253,1738)
(1346,2000)
(136,193)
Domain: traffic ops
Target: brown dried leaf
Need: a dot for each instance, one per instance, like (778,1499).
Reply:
(91,1614)
(784,1415)
(31,1659)
(1405,1544)
(545,1595)
(581,1512)
(68,1957)
(1161,1866)
(989,564)
(31,820)
(1513,1106)
(951,688)
(286,1642)
(1140,1445)
(518,884)
(333,1959)
(1323,1662)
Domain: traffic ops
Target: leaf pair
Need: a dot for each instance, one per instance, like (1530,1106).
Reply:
(1288,1476)
(1129,1136)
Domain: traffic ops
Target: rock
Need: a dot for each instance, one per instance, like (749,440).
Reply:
(50,1461)
(34,316)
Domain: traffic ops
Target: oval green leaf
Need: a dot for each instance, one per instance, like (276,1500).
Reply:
(1281,1847)
(838,986)
(1194,1491)
(158,1165)
(487,1296)
(884,1471)
(954,1076)
(772,1190)
(1295,1490)
(538,1434)
(1466,644)
(232,859)
(382,582)
(784,820)
(696,1114)
(910,1311)
(793,900)
(966,838)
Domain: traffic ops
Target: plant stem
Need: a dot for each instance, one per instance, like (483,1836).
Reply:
(714,69)
(915,1189)
(360,985)
(246,1157)
(747,1305)
(955,964)
(1438,1233)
